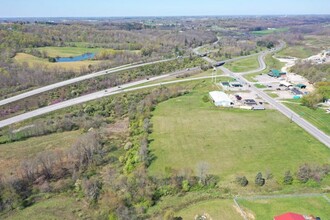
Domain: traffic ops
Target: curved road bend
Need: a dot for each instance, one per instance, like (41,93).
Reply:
(93,96)
(77,79)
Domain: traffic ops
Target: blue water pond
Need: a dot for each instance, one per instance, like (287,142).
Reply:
(85,56)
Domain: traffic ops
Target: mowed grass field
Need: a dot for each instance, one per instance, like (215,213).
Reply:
(298,51)
(60,207)
(217,209)
(187,131)
(269,31)
(268,208)
(33,61)
(12,154)
(67,51)
(247,64)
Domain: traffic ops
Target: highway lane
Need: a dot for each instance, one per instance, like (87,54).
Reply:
(77,79)
(93,96)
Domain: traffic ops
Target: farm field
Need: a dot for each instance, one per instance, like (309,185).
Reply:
(67,51)
(32,61)
(12,154)
(188,131)
(250,63)
(268,208)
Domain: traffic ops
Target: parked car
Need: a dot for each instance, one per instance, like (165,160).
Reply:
(238,97)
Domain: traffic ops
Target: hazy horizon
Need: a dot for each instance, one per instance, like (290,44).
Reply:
(170,8)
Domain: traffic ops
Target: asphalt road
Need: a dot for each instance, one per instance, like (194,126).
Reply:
(75,80)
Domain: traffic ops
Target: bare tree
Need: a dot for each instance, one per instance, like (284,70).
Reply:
(202,169)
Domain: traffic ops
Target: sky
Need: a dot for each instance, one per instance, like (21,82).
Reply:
(125,8)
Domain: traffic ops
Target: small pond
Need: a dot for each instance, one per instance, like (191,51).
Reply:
(85,56)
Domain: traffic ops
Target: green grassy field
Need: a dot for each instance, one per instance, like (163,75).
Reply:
(273,95)
(318,117)
(260,86)
(67,51)
(32,61)
(269,31)
(297,51)
(217,209)
(187,130)
(12,154)
(268,208)
(58,207)
(247,64)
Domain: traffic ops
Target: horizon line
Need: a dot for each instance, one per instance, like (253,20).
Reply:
(167,16)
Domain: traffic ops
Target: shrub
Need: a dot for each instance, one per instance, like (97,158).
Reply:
(205,98)
(185,185)
(241,180)
(288,179)
(303,173)
(259,181)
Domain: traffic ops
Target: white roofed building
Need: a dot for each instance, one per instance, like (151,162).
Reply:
(220,99)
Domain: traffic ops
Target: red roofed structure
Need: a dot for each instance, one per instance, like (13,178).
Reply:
(289,216)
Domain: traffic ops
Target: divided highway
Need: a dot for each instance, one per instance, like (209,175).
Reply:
(77,79)
(93,96)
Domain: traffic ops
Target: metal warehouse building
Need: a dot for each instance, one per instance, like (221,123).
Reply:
(220,99)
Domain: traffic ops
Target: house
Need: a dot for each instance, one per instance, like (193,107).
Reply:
(220,99)
(276,73)
(289,216)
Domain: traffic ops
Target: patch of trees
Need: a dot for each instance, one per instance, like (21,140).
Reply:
(321,94)
(308,174)
(268,44)
(54,171)
(314,73)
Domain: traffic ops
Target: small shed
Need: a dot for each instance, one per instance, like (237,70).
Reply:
(220,99)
